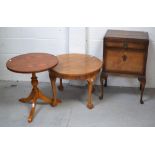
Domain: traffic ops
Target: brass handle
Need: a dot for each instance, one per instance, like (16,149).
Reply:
(124,57)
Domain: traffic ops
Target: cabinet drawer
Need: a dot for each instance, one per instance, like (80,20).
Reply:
(125,45)
(127,61)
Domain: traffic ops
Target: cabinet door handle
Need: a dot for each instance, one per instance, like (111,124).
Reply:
(124,57)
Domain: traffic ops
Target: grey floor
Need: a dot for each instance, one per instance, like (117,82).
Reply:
(120,107)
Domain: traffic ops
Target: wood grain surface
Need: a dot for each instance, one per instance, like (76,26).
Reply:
(125,52)
(122,34)
(32,62)
(76,65)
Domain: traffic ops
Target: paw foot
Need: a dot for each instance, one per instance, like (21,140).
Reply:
(90,106)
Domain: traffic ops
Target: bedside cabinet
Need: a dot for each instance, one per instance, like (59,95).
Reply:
(125,52)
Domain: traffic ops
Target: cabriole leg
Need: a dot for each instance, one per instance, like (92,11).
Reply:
(60,87)
(55,101)
(90,86)
(101,87)
(142,87)
(103,77)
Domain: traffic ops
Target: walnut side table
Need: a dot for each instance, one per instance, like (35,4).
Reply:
(76,67)
(33,63)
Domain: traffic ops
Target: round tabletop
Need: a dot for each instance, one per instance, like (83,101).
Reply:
(32,63)
(76,65)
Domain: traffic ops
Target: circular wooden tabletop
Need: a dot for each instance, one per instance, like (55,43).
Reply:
(76,65)
(32,62)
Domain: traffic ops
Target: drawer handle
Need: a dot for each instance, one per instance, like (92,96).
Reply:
(124,57)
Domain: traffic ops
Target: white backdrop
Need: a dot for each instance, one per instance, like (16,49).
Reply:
(58,40)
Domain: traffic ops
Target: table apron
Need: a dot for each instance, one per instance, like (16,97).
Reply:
(74,77)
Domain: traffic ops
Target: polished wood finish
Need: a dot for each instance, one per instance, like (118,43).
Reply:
(121,35)
(60,87)
(90,86)
(55,101)
(76,67)
(33,63)
(125,52)
(121,44)
(125,61)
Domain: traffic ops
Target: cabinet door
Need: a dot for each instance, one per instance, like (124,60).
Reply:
(125,61)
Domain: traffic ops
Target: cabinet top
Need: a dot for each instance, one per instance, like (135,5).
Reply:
(130,35)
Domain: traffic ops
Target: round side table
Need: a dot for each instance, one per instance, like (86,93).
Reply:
(76,67)
(33,63)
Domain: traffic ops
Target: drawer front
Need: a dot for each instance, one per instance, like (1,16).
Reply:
(125,45)
(125,61)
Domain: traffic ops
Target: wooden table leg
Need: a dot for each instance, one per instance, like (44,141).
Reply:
(90,86)
(34,92)
(55,101)
(106,81)
(34,95)
(102,89)
(104,77)
(44,98)
(60,87)
(142,87)
(31,115)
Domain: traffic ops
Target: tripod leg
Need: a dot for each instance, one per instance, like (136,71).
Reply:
(31,115)
(27,99)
